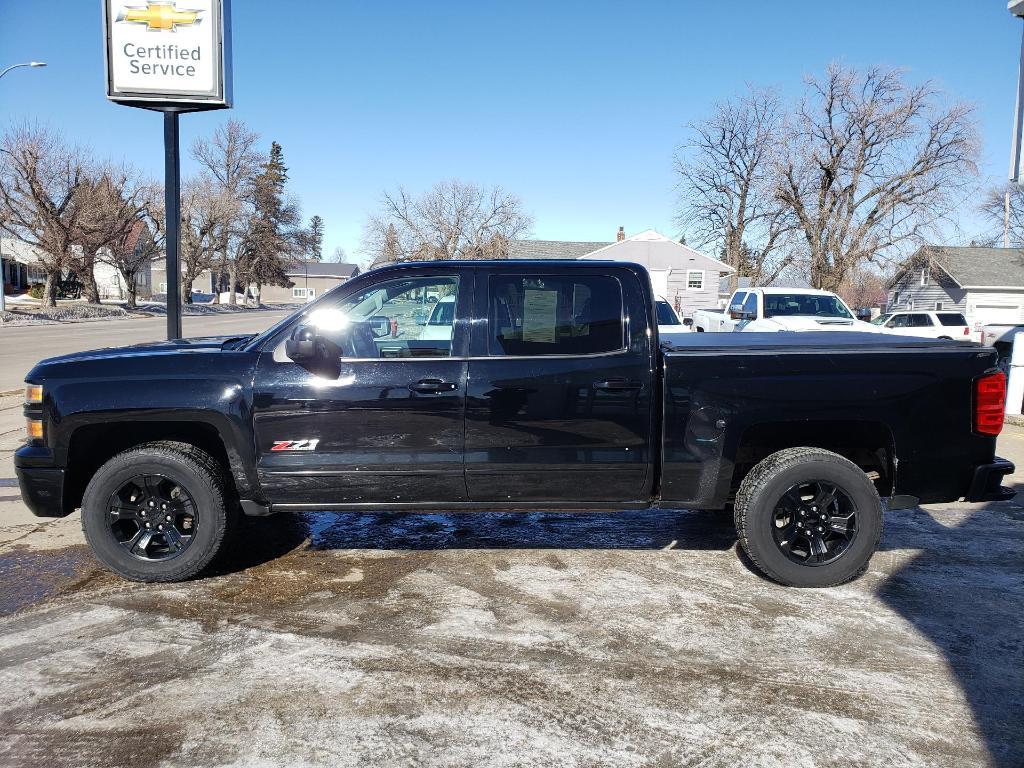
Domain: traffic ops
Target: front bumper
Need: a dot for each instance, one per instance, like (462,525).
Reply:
(42,484)
(987,482)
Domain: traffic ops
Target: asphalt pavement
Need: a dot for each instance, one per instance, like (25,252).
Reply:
(23,346)
(630,639)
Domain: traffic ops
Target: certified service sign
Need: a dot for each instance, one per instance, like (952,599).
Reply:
(168,53)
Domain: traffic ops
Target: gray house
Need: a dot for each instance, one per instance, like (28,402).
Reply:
(686,278)
(986,284)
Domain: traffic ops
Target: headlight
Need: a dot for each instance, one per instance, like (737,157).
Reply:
(33,393)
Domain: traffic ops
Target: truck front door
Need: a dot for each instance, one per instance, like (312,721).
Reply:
(559,405)
(382,421)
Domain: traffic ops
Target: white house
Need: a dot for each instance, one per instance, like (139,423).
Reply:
(22,269)
(687,278)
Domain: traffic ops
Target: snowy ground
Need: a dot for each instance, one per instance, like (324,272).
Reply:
(632,639)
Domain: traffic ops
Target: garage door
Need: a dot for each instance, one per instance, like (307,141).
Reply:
(991,314)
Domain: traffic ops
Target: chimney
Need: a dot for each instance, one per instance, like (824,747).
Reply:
(621,235)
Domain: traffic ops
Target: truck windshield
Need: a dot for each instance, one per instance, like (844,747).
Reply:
(880,320)
(787,304)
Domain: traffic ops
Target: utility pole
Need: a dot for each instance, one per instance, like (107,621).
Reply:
(3,269)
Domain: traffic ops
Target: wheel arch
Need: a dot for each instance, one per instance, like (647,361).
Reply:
(868,444)
(91,444)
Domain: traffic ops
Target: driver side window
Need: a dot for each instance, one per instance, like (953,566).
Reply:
(400,318)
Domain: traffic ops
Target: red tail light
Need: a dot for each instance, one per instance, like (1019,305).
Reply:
(967,331)
(989,403)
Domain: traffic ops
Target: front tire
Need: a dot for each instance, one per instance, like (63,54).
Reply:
(808,517)
(157,512)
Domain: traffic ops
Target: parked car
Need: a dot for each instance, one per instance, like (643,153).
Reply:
(930,325)
(552,392)
(667,319)
(441,320)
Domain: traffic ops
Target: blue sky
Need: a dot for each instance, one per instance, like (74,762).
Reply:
(577,107)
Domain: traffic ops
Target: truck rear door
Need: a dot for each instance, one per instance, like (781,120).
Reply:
(559,401)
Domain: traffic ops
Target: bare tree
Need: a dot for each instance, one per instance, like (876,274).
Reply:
(40,181)
(1005,223)
(233,162)
(727,186)
(870,166)
(114,200)
(142,242)
(864,288)
(204,213)
(454,220)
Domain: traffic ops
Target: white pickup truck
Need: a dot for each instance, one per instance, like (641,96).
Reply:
(781,309)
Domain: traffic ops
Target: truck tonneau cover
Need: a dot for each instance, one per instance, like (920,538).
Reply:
(816,341)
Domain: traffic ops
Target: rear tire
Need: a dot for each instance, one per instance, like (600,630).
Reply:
(158,512)
(808,517)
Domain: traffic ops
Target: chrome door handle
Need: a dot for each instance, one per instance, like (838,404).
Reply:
(432,386)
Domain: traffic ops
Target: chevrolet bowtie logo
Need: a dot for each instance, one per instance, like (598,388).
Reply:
(159,17)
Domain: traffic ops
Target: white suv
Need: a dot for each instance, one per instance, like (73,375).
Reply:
(930,325)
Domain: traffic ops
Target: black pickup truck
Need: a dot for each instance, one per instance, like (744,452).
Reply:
(509,385)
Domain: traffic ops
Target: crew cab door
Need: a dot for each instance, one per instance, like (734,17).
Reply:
(382,420)
(559,405)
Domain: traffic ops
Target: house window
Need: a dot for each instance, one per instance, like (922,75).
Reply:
(938,306)
(895,298)
(298,293)
(695,280)
(924,276)
(910,304)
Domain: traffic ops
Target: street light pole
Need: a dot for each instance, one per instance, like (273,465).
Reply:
(3,270)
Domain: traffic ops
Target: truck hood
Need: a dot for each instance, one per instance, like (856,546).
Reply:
(147,349)
(810,323)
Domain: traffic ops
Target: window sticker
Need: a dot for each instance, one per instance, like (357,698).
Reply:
(540,315)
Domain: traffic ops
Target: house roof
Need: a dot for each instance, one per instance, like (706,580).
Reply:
(19,250)
(320,269)
(650,248)
(552,249)
(973,267)
(655,251)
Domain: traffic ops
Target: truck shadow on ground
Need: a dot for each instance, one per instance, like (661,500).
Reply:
(964,592)
(266,539)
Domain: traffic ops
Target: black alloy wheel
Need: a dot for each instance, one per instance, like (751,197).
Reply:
(814,523)
(152,517)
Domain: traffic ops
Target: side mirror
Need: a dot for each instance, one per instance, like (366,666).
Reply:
(735,311)
(746,316)
(304,345)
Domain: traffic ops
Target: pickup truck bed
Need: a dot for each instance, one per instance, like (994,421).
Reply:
(732,399)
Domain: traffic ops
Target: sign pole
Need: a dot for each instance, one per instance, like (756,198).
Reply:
(172,204)
(170,59)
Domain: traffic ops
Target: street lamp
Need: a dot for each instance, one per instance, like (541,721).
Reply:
(34,65)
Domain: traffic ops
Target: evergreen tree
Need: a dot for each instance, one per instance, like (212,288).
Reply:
(316,238)
(274,237)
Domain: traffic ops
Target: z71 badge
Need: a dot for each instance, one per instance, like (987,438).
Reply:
(295,445)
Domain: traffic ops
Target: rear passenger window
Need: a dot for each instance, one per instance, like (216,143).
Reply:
(952,318)
(920,321)
(555,315)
